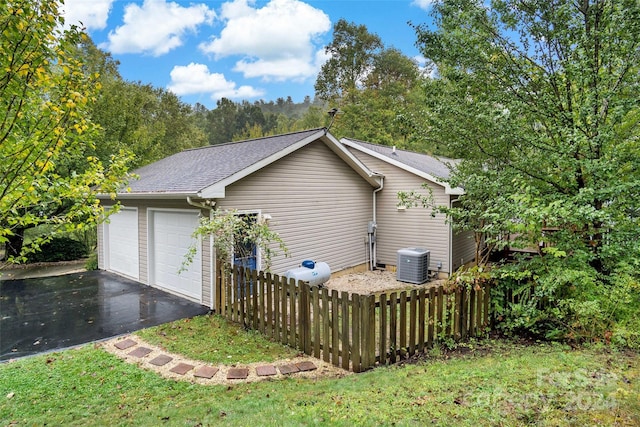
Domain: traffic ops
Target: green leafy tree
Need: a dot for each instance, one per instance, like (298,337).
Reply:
(232,232)
(352,52)
(540,99)
(376,89)
(45,98)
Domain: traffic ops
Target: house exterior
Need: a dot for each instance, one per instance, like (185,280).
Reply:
(401,227)
(319,194)
(315,193)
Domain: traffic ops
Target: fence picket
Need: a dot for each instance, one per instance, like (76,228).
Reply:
(269,284)
(315,304)
(356,342)
(413,300)
(291,291)
(393,320)
(403,323)
(335,332)
(432,317)
(422,308)
(382,357)
(325,325)
(351,331)
(345,350)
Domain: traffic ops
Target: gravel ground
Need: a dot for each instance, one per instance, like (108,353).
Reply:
(371,282)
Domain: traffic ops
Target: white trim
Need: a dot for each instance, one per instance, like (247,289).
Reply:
(213,258)
(106,232)
(151,244)
(401,165)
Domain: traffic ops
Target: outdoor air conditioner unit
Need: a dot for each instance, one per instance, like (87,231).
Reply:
(413,265)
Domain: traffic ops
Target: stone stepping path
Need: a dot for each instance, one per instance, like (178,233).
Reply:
(135,350)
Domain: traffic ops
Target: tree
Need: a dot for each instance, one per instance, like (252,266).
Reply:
(352,51)
(541,97)
(45,97)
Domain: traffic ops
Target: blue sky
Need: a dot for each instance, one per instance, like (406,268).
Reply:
(203,50)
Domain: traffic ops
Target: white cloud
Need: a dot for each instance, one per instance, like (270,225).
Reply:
(423,4)
(157,27)
(90,14)
(276,42)
(196,78)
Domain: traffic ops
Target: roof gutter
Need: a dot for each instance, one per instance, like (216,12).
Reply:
(207,204)
(146,196)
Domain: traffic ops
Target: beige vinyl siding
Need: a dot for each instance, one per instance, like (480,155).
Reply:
(412,227)
(464,248)
(319,206)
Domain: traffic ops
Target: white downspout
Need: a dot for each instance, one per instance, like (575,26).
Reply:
(374,245)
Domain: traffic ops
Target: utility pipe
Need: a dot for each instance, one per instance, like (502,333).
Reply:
(374,251)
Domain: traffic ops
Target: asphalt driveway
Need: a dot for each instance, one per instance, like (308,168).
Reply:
(51,313)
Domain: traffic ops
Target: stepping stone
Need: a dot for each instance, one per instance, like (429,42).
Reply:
(140,352)
(123,345)
(161,360)
(182,368)
(266,370)
(306,366)
(237,374)
(205,372)
(288,369)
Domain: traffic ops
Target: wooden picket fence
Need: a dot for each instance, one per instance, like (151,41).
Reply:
(355,332)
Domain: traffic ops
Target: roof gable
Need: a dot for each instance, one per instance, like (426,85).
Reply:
(205,172)
(432,169)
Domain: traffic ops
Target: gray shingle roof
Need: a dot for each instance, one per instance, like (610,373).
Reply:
(191,171)
(437,167)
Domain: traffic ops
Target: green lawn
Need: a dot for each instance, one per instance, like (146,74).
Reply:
(493,383)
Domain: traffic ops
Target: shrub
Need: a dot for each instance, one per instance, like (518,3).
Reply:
(558,298)
(92,262)
(59,249)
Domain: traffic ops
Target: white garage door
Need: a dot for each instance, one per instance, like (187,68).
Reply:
(170,239)
(122,243)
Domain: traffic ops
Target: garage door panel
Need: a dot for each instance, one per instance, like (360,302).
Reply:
(171,241)
(122,243)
